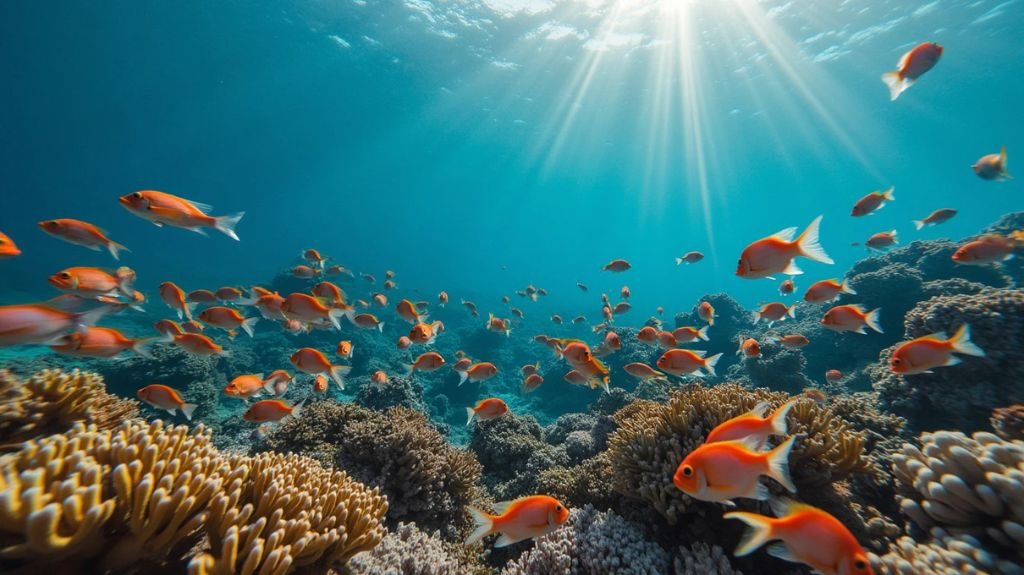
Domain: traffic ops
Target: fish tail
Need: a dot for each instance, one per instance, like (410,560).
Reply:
(779,425)
(845,288)
(87,319)
(380,326)
(470,414)
(760,531)
(187,409)
(187,310)
(895,237)
(757,317)
(115,249)
(679,261)
(484,525)
(791,312)
(919,224)
(334,314)
(125,281)
(809,243)
(462,377)
(226,224)
(871,319)
(961,342)
(338,372)
(297,409)
(702,333)
(141,346)
(778,464)
(248,324)
(889,195)
(709,363)
(897,84)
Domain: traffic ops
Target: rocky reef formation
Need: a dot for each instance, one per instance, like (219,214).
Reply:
(1008,422)
(409,551)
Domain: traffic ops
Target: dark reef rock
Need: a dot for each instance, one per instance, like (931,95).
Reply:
(513,453)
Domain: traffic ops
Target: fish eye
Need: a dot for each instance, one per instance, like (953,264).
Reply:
(860,564)
(64,275)
(687,471)
(558,508)
(896,361)
(137,195)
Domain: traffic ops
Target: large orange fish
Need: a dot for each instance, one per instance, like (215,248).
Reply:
(313,362)
(753,425)
(992,167)
(524,518)
(775,311)
(872,202)
(247,386)
(478,372)
(161,208)
(827,291)
(271,410)
(912,65)
(228,319)
(486,409)
(935,218)
(686,334)
(808,535)
(681,362)
(102,342)
(166,398)
(367,321)
(307,308)
(851,318)
(643,371)
(429,361)
(725,470)
(199,344)
(987,249)
(8,249)
(174,297)
(776,253)
(93,282)
(38,323)
(407,311)
(82,234)
(749,347)
(924,354)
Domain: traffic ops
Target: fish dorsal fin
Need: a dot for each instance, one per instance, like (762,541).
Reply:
(785,235)
(792,269)
(759,410)
(784,506)
(504,540)
(502,507)
(937,336)
(205,208)
(699,352)
(749,443)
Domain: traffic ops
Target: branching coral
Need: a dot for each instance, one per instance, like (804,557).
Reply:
(51,401)
(425,479)
(965,485)
(699,559)
(409,551)
(144,494)
(653,439)
(580,484)
(943,555)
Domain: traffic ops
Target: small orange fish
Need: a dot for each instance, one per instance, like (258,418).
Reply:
(690,258)
(294,326)
(753,425)
(833,375)
(277,382)
(407,311)
(246,386)
(556,319)
(612,341)
(706,312)
(228,294)
(993,167)
(525,518)
(987,249)
(776,253)
(228,319)
(345,349)
(498,324)
(404,342)
(368,321)
(851,318)
(166,398)
(478,372)
(101,342)
(380,299)
(199,344)
(648,335)
(791,341)
(924,354)
(579,319)
(161,208)
(912,66)
(379,377)
(313,255)
(8,249)
(725,470)
(775,311)
(93,282)
(814,394)
(442,298)
(808,535)
(271,410)
(660,310)
(872,202)
(428,361)
(313,362)
(575,377)
(687,334)
(787,287)
(882,240)
(487,409)
(337,270)
(621,308)
(329,291)
(462,364)
(174,297)
(389,285)
(749,347)
(320,383)
(517,312)
(192,326)
(168,327)
(271,306)
(532,382)
(680,362)
(422,333)
(307,308)
(616,266)
(82,234)
(530,369)
(624,292)
(36,323)
(667,340)
(935,218)
(202,296)
(642,371)
(827,291)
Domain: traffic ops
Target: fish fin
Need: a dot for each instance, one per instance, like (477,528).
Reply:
(462,377)
(759,410)
(778,464)
(338,372)
(141,346)
(845,288)
(780,551)
(810,245)
(760,531)
(504,540)
(962,343)
(380,326)
(226,224)
(871,319)
(247,325)
(759,492)
(187,409)
(953,360)
(779,425)
(772,278)
(702,333)
(158,224)
(709,364)
(297,409)
(470,414)
(86,319)
(919,225)
(896,83)
(757,317)
(115,249)
(785,235)
(679,261)
(791,312)
(334,314)
(888,195)
(699,352)
(792,269)
(895,237)
(483,522)
(224,353)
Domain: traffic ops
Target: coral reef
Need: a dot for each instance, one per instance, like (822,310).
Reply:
(409,551)
(592,543)
(51,401)
(580,484)
(961,397)
(1008,422)
(965,485)
(395,392)
(148,495)
(778,369)
(942,555)
(699,559)
(731,319)
(513,453)
(425,479)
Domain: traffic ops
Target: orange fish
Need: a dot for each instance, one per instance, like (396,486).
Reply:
(228,319)
(161,208)
(313,255)
(202,296)
(294,326)
(725,470)
(379,377)
(530,369)
(787,287)
(429,361)
(271,410)
(329,291)
(487,409)
(404,342)
(92,282)
(517,312)
(498,324)
(337,270)
(791,341)
(423,333)
(667,340)
(271,306)
(277,382)
(199,344)
(814,394)
(368,321)
(624,292)
(935,218)
(462,364)
(851,318)
(407,311)
(612,341)
(192,326)
(8,249)
(642,371)
(168,327)
(345,349)
(753,425)
(442,298)
(532,382)
(478,372)
(320,383)
(37,323)
(807,535)
(912,65)
(924,354)
(380,299)
(833,375)
(616,266)
(773,312)
(389,284)
(228,294)
(687,334)
(307,308)
(776,253)
(246,386)
(872,202)
(689,258)
(102,342)
(82,234)
(166,398)
(749,347)
(680,362)
(827,291)
(524,518)
(706,312)
(621,308)
(882,240)
(174,297)
(575,377)
(312,361)
(989,248)
(992,167)
(648,335)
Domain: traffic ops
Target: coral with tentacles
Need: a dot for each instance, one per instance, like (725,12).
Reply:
(944,554)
